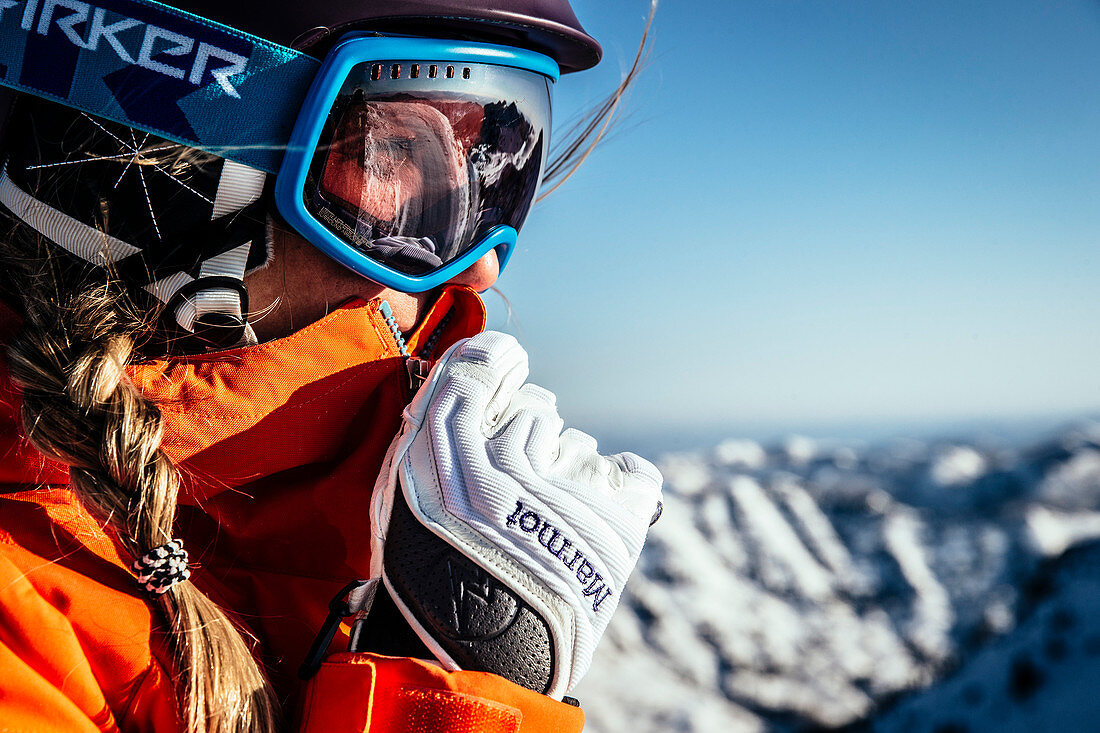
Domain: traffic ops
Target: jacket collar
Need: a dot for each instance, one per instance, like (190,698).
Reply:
(221,408)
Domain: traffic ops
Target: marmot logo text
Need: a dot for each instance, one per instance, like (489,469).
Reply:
(578,564)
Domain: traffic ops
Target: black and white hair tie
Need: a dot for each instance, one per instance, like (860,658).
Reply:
(162,567)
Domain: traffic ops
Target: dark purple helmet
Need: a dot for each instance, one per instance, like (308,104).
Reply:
(546,26)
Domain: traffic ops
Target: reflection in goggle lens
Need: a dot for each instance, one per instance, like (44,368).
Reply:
(414,179)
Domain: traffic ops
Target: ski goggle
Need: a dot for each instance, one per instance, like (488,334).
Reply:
(415,157)
(406,159)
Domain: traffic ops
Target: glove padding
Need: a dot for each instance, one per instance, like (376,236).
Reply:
(508,543)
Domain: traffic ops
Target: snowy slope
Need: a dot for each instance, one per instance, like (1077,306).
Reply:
(1044,676)
(902,587)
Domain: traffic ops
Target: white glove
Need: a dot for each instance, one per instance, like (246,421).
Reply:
(507,547)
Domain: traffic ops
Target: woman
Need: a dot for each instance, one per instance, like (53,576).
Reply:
(204,493)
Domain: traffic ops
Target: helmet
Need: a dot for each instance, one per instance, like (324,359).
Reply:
(547,26)
(187,227)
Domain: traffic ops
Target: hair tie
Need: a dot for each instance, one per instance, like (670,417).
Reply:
(162,567)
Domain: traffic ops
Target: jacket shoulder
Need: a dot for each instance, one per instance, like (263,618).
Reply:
(76,643)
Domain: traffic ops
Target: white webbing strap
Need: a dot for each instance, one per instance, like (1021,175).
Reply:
(87,243)
(166,288)
(238,187)
(222,300)
(211,300)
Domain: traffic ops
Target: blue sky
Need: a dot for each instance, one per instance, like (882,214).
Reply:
(821,213)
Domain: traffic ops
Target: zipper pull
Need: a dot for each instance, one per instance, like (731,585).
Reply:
(391,322)
(418,370)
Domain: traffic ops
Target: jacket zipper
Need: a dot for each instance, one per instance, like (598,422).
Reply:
(416,368)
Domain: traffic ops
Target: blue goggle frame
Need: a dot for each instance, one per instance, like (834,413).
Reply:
(291,181)
(190,80)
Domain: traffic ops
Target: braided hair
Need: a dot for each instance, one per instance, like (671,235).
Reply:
(81,328)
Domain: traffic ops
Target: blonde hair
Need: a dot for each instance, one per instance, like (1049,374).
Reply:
(79,407)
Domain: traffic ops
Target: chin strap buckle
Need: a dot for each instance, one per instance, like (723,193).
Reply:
(354,599)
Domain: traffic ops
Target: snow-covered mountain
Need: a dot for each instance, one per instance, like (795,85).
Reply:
(910,586)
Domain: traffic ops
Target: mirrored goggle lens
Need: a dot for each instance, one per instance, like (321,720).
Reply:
(423,160)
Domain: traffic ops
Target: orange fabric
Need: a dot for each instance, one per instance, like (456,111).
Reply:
(426,711)
(393,694)
(279,445)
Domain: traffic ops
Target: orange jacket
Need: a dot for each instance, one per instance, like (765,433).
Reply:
(279,445)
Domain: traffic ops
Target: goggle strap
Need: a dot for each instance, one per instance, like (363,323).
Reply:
(159,70)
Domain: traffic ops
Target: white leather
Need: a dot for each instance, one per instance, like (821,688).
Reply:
(483,462)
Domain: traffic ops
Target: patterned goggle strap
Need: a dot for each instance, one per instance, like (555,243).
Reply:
(159,70)
(162,567)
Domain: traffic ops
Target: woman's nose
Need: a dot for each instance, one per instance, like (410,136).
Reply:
(481,275)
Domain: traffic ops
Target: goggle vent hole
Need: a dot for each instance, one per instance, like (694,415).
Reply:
(395,71)
(433,71)
(450,72)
